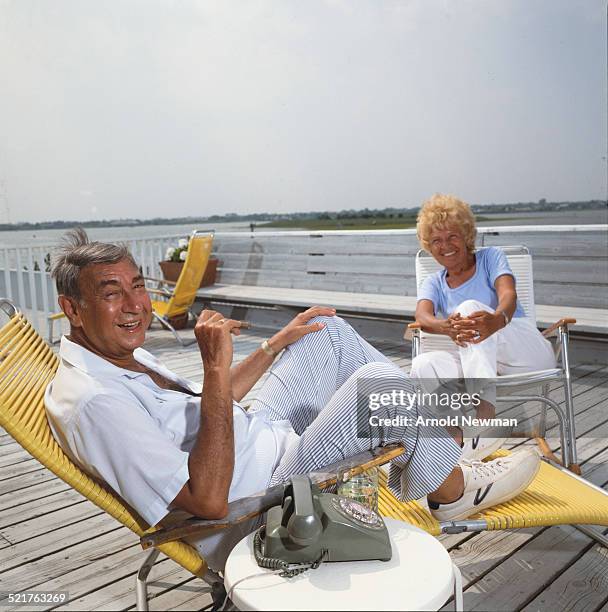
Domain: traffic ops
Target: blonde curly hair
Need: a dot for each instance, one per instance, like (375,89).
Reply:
(443,211)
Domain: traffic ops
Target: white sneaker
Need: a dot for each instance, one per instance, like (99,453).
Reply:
(488,484)
(478,448)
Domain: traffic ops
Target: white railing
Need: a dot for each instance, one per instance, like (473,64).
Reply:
(25,278)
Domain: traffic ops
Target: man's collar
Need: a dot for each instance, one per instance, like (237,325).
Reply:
(92,364)
(98,367)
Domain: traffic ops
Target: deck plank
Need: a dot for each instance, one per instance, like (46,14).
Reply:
(51,538)
(29,551)
(581,587)
(170,585)
(17,515)
(53,570)
(28,495)
(12,485)
(19,469)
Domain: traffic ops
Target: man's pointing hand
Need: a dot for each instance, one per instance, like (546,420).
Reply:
(212,331)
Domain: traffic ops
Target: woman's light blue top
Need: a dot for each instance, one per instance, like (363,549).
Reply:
(490,264)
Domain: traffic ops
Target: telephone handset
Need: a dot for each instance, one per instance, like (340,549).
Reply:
(310,527)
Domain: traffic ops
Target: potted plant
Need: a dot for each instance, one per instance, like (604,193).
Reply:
(174,262)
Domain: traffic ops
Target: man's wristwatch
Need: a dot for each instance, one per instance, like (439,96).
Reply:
(268,349)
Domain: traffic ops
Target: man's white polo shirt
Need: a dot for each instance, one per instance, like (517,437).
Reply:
(120,426)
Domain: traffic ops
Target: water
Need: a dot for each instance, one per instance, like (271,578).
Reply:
(361,488)
(52,236)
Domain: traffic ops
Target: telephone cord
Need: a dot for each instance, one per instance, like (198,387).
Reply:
(286,570)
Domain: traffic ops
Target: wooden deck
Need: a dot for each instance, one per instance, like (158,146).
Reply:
(52,539)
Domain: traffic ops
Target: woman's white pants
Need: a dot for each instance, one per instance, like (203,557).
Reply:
(516,348)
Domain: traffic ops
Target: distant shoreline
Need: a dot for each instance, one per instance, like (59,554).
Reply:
(355,223)
(385,218)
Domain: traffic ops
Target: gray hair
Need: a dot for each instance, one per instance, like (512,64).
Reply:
(77,251)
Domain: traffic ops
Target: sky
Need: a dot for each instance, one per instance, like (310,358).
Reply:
(145,108)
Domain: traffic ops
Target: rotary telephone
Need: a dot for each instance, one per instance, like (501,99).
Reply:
(311,527)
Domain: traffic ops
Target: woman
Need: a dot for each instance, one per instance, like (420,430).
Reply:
(473,300)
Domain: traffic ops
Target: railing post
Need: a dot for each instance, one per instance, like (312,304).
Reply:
(20,287)
(44,275)
(34,316)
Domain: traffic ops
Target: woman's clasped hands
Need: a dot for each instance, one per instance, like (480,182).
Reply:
(473,329)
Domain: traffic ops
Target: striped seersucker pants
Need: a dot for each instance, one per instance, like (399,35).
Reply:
(316,384)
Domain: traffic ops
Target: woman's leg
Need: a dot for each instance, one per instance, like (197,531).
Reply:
(478,360)
(516,348)
(436,367)
(522,348)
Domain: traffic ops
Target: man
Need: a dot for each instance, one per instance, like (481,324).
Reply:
(164,443)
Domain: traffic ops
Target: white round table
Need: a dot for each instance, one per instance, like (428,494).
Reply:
(420,576)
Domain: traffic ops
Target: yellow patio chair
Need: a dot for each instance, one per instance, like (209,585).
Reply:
(27,365)
(555,497)
(178,301)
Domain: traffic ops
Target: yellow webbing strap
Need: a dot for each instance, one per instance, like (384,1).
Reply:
(27,365)
(555,497)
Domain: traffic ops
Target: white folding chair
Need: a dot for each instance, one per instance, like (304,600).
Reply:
(507,387)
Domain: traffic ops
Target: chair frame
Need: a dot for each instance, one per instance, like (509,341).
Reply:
(164,321)
(27,365)
(561,374)
(36,366)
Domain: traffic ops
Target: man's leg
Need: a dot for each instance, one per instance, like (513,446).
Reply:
(429,465)
(430,453)
(310,371)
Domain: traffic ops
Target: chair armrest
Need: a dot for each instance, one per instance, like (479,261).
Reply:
(160,280)
(561,323)
(411,330)
(249,507)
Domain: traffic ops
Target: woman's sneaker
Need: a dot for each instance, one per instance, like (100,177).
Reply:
(490,483)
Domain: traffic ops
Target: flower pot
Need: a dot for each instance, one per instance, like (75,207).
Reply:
(172,269)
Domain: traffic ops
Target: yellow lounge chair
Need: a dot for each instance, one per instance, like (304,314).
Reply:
(555,497)
(179,300)
(27,365)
